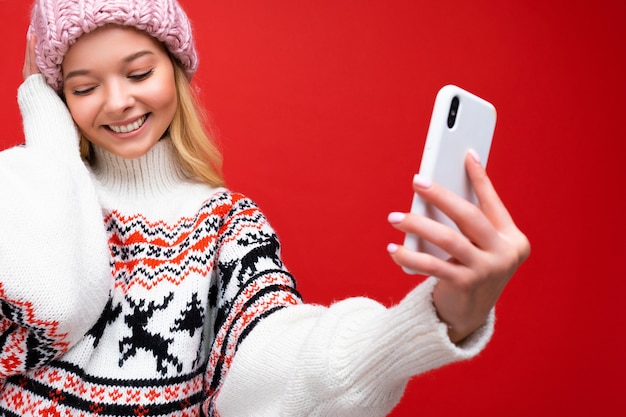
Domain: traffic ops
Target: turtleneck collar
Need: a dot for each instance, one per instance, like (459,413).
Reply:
(154,174)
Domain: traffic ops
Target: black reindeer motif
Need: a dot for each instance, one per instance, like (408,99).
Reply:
(266,245)
(141,338)
(109,315)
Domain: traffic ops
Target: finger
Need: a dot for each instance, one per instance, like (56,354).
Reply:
(468,217)
(488,199)
(424,264)
(26,66)
(30,59)
(450,240)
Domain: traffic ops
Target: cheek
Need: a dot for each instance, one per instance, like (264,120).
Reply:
(165,100)
(165,97)
(80,111)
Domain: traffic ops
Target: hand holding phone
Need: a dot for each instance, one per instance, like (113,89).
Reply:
(460,121)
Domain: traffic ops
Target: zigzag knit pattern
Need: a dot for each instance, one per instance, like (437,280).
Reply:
(185,296)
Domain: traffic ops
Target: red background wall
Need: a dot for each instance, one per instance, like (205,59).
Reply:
(322,109)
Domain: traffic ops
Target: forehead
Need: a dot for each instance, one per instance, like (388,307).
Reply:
(111,42)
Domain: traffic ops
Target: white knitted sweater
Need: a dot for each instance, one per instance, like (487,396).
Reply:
(128,290)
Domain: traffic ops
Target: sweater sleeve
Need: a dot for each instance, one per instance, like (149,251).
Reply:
(351,359)
(54,263)
(253,284)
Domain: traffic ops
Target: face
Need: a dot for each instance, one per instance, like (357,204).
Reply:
(119,87)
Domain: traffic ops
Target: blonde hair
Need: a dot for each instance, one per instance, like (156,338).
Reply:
(189,132)
(190,135)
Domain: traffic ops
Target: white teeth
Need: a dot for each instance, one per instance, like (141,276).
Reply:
(130,127)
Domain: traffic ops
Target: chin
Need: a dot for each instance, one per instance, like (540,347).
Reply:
(133,151)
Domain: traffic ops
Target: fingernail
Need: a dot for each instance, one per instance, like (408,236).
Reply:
(392,248)
(422,182)
(395,217)
(474,155)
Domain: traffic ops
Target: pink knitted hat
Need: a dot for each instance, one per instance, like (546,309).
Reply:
(57,24)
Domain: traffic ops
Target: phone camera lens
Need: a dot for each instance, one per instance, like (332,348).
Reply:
(454,110)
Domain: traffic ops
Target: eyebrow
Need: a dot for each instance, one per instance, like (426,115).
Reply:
(127,59)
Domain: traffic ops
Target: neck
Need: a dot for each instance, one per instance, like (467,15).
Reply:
(156,173)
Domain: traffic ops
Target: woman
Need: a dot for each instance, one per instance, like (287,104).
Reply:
(150,289)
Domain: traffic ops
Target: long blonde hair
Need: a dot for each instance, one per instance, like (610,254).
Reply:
(190,135)
(189,132)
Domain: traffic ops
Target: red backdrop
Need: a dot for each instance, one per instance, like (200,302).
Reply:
(322,109)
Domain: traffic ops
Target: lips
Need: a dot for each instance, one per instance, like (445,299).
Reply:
(129,127)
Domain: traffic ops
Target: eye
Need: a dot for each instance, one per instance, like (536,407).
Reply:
(141,76)
(83,91)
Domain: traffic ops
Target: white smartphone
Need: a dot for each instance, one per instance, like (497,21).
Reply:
(460,121)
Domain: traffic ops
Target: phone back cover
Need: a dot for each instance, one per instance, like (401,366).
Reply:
(443,159)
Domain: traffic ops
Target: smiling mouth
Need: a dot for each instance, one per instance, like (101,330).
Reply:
(129,127)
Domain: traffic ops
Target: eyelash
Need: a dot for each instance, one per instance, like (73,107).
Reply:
(141,76)
(83,92)
(138,77)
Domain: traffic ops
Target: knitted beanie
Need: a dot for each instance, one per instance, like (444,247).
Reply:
(58,24)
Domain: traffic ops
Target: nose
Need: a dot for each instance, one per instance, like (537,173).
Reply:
(119,97)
